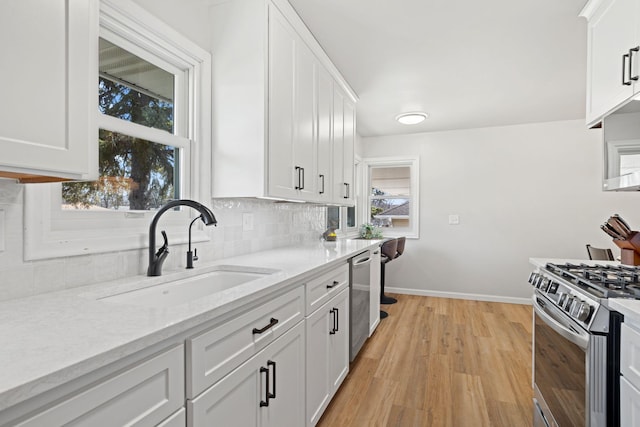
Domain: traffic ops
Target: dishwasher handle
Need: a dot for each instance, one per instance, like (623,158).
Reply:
(362,261)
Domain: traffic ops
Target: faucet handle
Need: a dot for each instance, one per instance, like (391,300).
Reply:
(195,254)
(165,247)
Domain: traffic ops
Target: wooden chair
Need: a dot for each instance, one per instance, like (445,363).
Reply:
(600,254)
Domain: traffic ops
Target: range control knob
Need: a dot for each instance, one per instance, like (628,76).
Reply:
(532,278)
(562,297)
(568,304)
(582,312)
(553,287)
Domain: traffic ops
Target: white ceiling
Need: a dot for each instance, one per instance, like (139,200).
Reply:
(467,63)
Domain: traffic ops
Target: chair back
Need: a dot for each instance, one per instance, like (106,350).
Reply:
(600,254)
(400,248)
(388,250)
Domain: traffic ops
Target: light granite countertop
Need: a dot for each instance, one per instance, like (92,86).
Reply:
(53,338)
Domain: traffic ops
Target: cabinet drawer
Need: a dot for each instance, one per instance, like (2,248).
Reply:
(216,352)
(629,404)
(630,355)
(321,289)
(143,395)
(179,419)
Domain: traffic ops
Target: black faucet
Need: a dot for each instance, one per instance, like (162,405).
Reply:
(156,259)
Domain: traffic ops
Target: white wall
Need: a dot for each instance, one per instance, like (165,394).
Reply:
(521,191)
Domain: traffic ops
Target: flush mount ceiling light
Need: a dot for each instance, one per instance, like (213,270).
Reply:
(412,118)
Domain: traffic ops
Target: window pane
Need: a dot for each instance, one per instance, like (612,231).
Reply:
(134,175)
(393,181)
(333,217)
(135,90)
(390,212)
(351,216)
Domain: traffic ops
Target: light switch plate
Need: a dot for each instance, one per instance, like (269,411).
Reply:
(247,221)
(454,219)
(1,230)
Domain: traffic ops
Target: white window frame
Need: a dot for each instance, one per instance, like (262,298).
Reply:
(51,232)
(413,231)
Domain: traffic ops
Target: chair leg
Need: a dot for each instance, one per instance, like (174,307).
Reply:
(383,298)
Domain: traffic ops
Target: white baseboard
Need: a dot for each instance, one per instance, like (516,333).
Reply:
(458,295)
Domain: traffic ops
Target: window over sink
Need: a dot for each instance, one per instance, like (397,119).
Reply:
(154,125)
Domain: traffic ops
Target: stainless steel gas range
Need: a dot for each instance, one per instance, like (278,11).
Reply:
(576,343)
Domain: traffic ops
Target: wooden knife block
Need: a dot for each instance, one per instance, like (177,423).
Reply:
(630,249)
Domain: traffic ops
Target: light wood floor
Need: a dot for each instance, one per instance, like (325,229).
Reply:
(441,362)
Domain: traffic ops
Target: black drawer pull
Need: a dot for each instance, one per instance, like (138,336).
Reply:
(271,324)
(625,57)
(333,330)
(273,364)
(335,283)
(266,389)
(337,328)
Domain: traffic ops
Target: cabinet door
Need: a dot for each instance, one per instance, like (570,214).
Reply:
(282,53)
(349,136)
(629,404)
(339,187)
(319,327)
(240,398)
(287,380)
(305,122)
(49,88)
(611,32)
(339,341)
(374,297)
(325,123)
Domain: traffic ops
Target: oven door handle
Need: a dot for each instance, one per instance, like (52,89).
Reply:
(579,339)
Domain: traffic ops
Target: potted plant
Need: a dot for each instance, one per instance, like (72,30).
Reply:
(370,231)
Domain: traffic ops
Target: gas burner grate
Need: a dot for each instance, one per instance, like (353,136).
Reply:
(603,280)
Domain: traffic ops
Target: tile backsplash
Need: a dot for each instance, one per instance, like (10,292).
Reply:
(274,225)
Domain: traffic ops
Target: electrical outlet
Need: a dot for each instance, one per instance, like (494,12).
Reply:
(454,219)
(247,221)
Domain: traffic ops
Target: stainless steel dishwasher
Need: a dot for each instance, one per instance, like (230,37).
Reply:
(359,291)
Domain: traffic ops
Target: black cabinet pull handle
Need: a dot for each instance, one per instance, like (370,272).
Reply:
(300,171)
(272,395)
(322,177)
(631,76)
(346,190)
(266,389)
(624,68)
(333,329)
(335,311)
(271,324)
(335,283)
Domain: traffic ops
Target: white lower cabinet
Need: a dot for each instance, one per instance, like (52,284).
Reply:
(327,353)
(630,371)
(266,390)
(629,404)
(143,395)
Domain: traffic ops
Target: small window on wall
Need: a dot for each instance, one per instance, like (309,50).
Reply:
(393,197)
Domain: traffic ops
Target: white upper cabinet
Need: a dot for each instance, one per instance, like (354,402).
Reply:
(324,136)
(49,89)
(272,111)
(343,146)
(613,50)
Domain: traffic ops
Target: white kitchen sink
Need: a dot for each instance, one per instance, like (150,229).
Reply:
(185,290)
